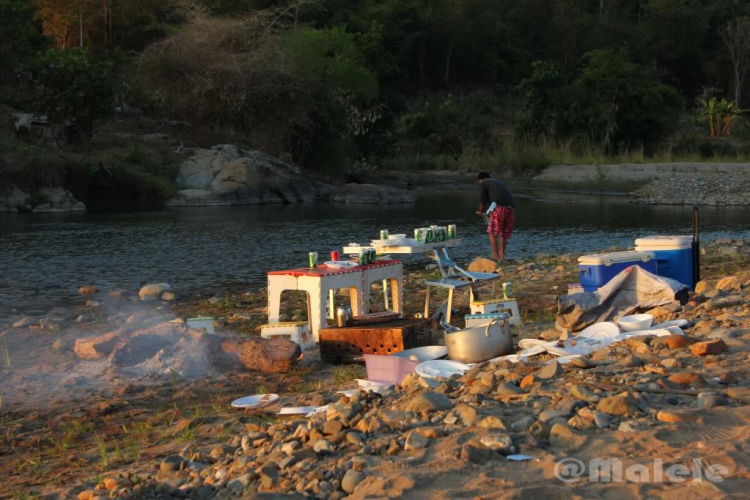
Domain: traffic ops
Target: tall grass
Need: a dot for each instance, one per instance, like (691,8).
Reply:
(526,157)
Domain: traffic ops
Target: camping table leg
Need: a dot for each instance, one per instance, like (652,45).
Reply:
(427,302)
(385,293)
(276,285)
(331,302)
(450,306)
(397,289)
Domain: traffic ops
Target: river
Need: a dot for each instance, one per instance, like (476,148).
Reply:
(45,257)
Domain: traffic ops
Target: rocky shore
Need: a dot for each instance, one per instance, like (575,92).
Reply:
(85,428)
(716,190)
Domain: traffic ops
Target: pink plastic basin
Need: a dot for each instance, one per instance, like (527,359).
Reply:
(389,369)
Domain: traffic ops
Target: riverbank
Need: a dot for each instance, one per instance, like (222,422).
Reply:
(80,428)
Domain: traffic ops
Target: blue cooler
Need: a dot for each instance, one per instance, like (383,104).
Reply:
(674,256)
(598,269)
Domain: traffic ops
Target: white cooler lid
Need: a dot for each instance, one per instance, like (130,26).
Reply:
(609,258)
(663,242)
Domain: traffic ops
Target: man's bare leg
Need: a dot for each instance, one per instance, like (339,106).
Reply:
(493,244)
(501,244)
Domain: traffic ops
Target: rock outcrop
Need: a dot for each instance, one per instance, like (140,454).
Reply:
(54,200)
(229,175)
(371,194)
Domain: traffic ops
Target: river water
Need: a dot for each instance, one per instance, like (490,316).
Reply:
(45,257)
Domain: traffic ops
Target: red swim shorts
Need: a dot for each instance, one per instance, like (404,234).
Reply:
(501,222)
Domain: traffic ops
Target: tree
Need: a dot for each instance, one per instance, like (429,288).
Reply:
(736,38)
(74,89)
(19,36)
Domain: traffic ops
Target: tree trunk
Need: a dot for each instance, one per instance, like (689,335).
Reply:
(80,25)
(738,78)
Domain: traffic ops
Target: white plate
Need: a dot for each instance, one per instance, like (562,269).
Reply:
(675,322)
(340,264)
(396,236)
(255,401)
(441,368)
(600,331)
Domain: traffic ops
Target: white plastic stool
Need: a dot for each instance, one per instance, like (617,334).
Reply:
(296,331)
(493,306)
(394,273)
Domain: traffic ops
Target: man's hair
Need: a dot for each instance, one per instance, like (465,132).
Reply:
(482,176)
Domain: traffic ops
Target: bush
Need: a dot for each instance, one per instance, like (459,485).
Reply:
(611,102)
(74,89)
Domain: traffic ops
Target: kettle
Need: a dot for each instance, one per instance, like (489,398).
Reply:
(344,316)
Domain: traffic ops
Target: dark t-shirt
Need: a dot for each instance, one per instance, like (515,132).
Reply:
(495,190)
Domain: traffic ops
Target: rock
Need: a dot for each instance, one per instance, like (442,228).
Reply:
(601,420)
(631,361)
(628,427)
(711,347)
(351,479)
(168,297)
(674,416)
(729,283)
(229,175)
(540,430)
(466,413)
(172,463)
(13,199)
(429,401)
(482,265)
(269,475)
(93,303)
(492,422)
(671,363)
(548,415)
(686,378)
(508,389)
(702,287)
(396,419)
(522,423)
(415,441)
(153,291)
(551,370)
(88,289)
(58,200)
(622,405)
(579,423)
(709,402)
(584,394)
(675,341)
(477,453)
(498,442)
(371,194)
(332,427)
(98,347)
(23,322)
(322,446)
(563,436)
(581,362)
(739,393)
(528,381)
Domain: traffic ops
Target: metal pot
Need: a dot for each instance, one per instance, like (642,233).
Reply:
(480,343)
(344,316)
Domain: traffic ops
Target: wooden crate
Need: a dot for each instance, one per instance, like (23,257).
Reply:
(348,344)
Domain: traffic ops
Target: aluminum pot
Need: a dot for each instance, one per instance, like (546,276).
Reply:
(480,343)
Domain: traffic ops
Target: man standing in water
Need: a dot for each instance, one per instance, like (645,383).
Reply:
(500,227)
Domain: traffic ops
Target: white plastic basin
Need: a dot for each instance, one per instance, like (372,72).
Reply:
(636,322)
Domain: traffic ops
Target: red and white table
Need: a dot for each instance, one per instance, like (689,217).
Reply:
(321,281)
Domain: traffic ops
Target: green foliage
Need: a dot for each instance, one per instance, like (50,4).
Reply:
(73,87)
(610,101)
(719,115)
(19,37)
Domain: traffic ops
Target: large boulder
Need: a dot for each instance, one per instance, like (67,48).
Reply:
(59,200)
(12,199)
(229,175)
(372,195)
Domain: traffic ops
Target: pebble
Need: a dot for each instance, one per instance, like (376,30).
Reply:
(492,422)
(674,416)
(584,394)
(322,446)
(428,402)
(415,441)
(508,389)
(88,289)
(618,405)
(561,435)
(351,480)
(172,463)
(548,415)
(23,323)
(498,442)
(550,371)
(523,423)
(711,347)
(466,413)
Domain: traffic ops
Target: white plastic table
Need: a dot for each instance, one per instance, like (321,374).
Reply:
(453,276)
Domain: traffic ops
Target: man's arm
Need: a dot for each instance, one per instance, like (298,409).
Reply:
(483,198)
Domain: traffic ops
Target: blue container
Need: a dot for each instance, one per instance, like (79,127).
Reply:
(673,254)
(598,269)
